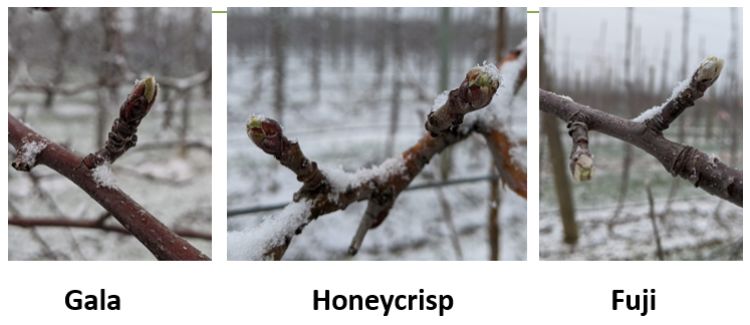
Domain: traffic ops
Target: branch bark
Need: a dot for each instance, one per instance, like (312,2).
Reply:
(645,132)
(35,148)
(97,224)
(380,186)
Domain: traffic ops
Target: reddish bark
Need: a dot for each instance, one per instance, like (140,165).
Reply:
(160,240)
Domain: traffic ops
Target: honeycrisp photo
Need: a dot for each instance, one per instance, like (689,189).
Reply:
(406,144)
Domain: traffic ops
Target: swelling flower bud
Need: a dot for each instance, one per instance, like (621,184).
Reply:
(482,82)
(266,133)
(709,71)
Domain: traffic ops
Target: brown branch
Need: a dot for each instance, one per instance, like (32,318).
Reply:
(685,95)
(511,174)
(98,224)
(37,149)
(702,170)
(381,185)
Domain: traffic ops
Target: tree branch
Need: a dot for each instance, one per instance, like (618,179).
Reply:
(325,191)
(702,170)
(34,149)
(123,135)
(98,224)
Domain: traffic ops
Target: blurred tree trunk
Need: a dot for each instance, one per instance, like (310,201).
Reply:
(445,39)
(562,183)
(557,160)
(734,98)
(278,52)
(500,34)
(64,35)
(315,48)
(398,56)
(683,72)
(665,65)
(627,160)
(334,32)
(380,48)
(185,123)
(111,71)
(495,199)
(349,39)
(684,68)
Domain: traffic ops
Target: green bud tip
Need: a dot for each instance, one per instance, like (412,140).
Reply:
(149,89)
(486,75)
(583,169)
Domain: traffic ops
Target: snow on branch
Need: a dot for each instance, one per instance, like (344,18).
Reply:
(326,190)
(92,174)
(26,155)
(702,170)
(683,96)
(475,92)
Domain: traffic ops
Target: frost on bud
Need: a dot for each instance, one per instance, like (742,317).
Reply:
(482,82)
(582,165)
(708,71)
(266,133)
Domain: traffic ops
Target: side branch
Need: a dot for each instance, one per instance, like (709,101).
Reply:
(96,224)
(123,135)
(660,117)
(511,174)
(581,160)
(702,170)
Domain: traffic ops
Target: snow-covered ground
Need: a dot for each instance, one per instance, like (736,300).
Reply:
(176,190)
(698,226)
(347,128)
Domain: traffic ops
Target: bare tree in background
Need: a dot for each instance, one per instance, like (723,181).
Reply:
(557,162)
(627,160)
(278,52)
(398,55)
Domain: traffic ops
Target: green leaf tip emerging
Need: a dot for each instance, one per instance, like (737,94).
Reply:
(266,133)
(150,88)
(482,83)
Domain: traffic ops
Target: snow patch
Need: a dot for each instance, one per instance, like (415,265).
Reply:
(492,70)
(440,100)
(341,180)
(653,111)
(103,176)
(30,150)
(251,242)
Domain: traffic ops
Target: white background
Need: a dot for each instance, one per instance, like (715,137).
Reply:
(263,292)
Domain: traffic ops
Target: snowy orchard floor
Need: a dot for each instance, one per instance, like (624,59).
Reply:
(698,226)
(175,189)
(348,128)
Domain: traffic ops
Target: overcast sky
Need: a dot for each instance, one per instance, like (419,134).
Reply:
(580,31)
